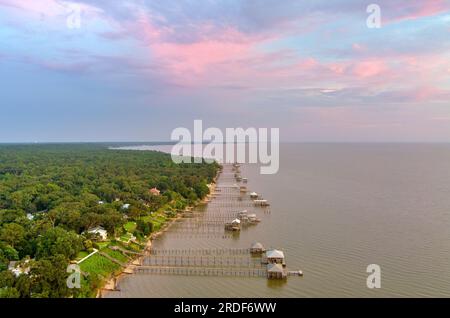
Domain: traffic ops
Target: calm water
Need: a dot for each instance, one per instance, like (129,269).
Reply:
(335,209)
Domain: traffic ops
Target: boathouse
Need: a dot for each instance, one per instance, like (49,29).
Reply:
(254,195)
(261,203)
(275,271)
(234,225)
(275,257)
(242,216)
(252,218)
(257,248)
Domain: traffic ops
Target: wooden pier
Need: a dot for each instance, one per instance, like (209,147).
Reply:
(231,206)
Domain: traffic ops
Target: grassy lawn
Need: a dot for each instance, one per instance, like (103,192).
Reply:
(81,255)
(98,264)
(130,226)
(116,254)
(103,244)
(126,237)
(147,218)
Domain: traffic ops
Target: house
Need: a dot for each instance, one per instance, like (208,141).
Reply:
(30,216)
(275,271)
(101,202)
(155,191)
(253,219)
(242,216)
(236,222)
(257,248)
(18,268)
(100,231)
(254,195)
(275,257)
(233,225)
(126,206)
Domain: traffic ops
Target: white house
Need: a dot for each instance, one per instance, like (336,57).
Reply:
(275,257)
(100,231)
(126,206)
(253,195)
(17,268)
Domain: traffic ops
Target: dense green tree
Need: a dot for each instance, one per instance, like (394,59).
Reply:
(58,241)
(49,195)
(9,292)
(12,233)
(49,277)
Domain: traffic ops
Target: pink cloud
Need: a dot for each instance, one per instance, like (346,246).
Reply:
(197,57)
(417,9)
(369,68)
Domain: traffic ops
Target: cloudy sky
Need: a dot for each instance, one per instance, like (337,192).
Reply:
(136,69)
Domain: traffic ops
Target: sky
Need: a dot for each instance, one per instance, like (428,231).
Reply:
(134,70)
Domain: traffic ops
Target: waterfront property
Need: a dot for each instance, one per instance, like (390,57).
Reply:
(254,195)
(99,231)
(252,218)
(234,225)
(275,257)
(261,203)
(276,271)
(225,204)
(257,248)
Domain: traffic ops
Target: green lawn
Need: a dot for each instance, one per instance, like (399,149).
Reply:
(130,226)
(98,264)
(116,254)
(103,244)
(81,255)
(126,237)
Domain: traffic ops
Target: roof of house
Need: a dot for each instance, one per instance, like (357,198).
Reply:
(275,254)
(257,245)
(275,268)
(236,221)
(154,191)
(96,229)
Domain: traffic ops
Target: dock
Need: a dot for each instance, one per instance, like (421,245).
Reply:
(232,209)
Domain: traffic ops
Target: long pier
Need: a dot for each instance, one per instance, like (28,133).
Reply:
(201,271)
(224,205)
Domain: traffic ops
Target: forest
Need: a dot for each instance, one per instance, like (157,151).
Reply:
(52,194)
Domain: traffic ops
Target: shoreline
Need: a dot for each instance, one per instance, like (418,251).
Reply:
(110,284)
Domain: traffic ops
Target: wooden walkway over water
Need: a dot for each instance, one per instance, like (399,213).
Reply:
(201,271)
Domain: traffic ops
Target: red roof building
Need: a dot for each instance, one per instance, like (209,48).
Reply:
(155,191)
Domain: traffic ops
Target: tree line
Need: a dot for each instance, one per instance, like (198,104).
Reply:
(51,194)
